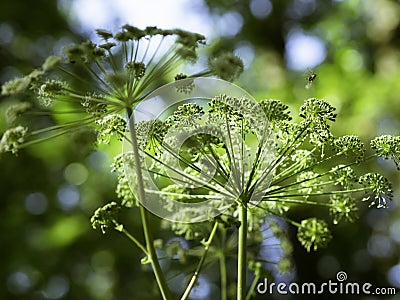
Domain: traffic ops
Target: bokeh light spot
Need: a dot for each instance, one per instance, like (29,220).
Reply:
(18,282)
(260,8)
(246,52)
(351,60)
(36,203)
(304,51)
(394,276)
(395,231)
(380,245)
(6,33)
(76,173)
(68,197)
(235,21)
(57,287)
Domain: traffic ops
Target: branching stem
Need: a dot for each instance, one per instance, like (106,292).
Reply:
(161,281)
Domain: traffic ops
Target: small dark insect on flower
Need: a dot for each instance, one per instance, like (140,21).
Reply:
(311,75)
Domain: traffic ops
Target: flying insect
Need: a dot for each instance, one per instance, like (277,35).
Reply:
(311,76)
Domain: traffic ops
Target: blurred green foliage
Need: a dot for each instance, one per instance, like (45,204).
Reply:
(49,191)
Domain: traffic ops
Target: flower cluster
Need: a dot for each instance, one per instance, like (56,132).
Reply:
(380,187)
(313,234)
(12,139)
(388,146)
(123,189)
(105,217)
(93,83)
(316,114)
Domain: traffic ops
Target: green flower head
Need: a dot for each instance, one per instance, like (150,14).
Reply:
(111,125)
(387,146)
(342,207)
(379,186)
(350,145)
(15,86)
(226,66)
(313,234)
(105,217)
(12,139)
(48,91)
(15,111)
(316,114)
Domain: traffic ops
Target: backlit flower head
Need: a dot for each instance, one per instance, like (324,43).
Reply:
(12,139)
(379,189)
(90,81)
(313,234)
(387,146)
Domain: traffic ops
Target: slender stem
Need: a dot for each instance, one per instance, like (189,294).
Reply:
(222,267)
(242,251)
(317,193)
(122,229)
(161,281)
(253,286)
(201,262)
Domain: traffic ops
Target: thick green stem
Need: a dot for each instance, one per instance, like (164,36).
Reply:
(222,267)
(242,253)
(161,281)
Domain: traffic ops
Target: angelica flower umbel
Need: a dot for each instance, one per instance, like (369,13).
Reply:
(388,146)
(12,139)
(313,234)
(91,81)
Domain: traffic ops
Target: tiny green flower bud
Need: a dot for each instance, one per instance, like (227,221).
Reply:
(124,192)
(316,110)
(74,53)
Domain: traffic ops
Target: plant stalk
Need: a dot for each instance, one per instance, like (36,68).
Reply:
(242,253)
(222,266)
(161,281)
